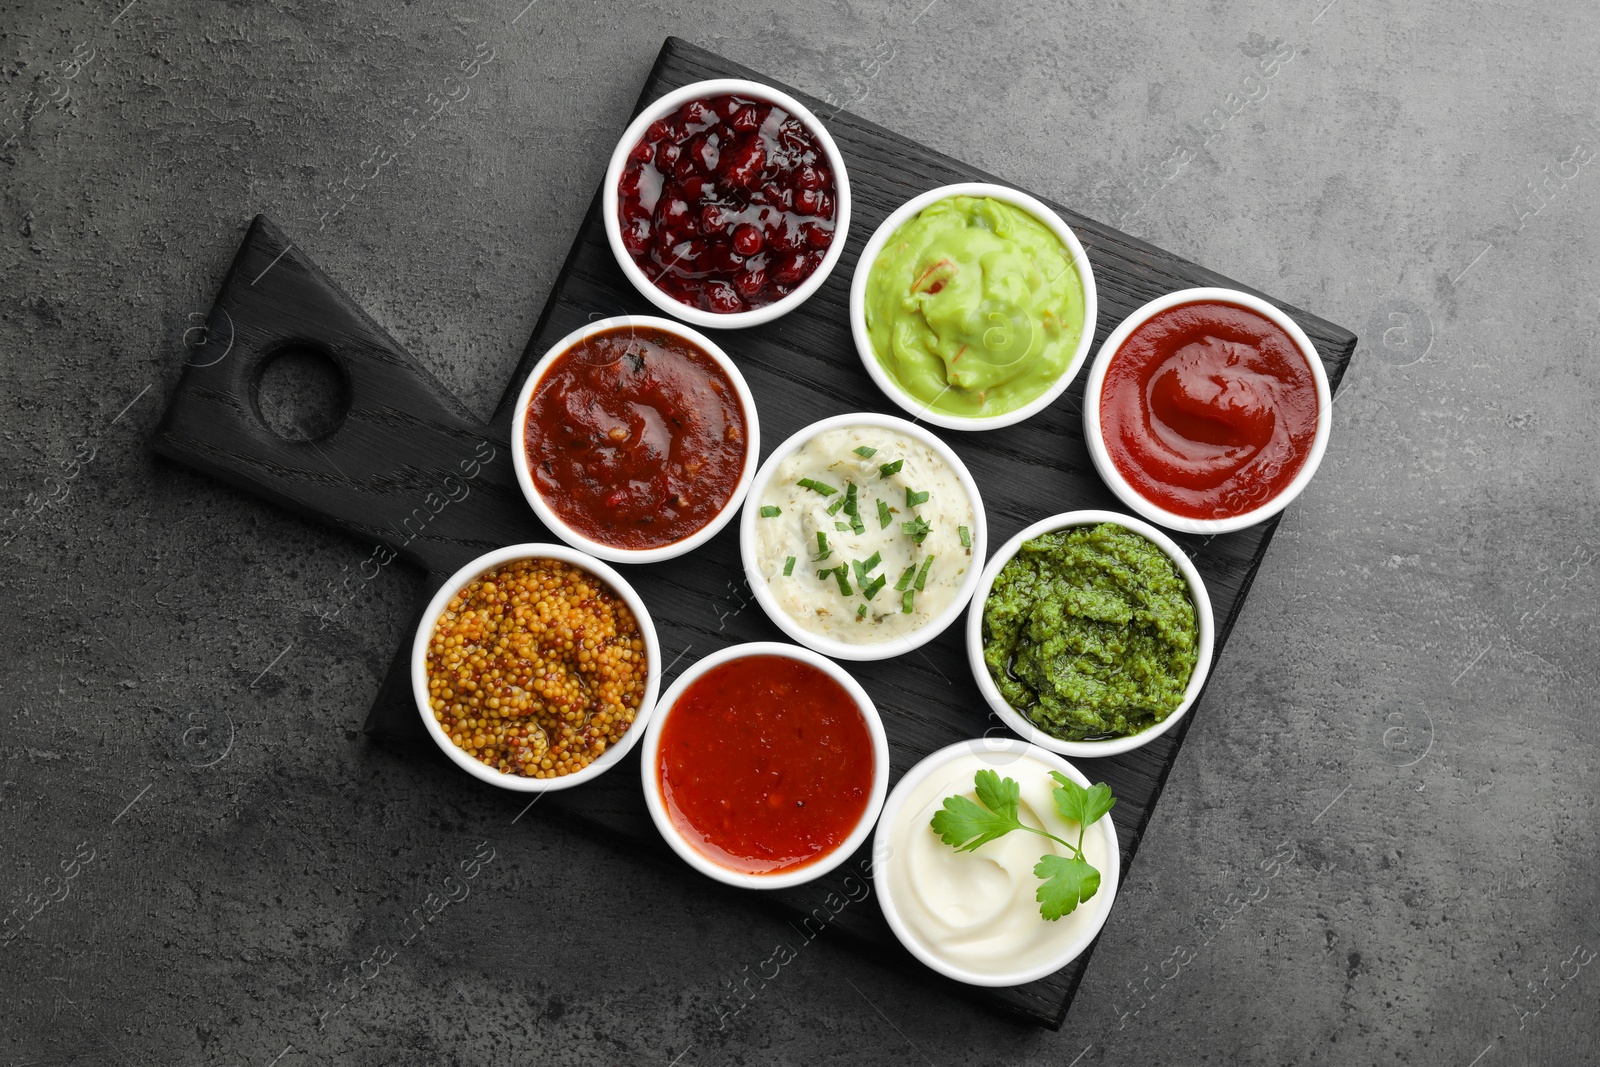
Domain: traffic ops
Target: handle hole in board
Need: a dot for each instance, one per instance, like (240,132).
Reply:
(301,392)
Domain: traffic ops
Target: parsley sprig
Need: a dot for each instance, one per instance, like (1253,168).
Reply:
(1068,881)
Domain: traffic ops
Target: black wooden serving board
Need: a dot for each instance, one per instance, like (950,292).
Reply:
(411,468)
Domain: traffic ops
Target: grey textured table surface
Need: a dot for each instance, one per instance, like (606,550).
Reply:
(1379,842)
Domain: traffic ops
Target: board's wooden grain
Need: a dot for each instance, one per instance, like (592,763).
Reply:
(410,468)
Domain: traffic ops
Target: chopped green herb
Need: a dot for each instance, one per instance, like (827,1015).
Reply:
(842,573)
(853,509)
(833,508)
(842,527)
(866,453)
(770,511)
(905,601)
(825,572)
(870,590)
(905,578)
(885,516)
(818,487)
(966,536)
(788,566)
(917,529)
(886,469)
(913,499)
(861,612)
(863,568)
(922,575)
(823,551)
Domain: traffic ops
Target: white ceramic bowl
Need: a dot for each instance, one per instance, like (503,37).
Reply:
(419,666)
(519,452)
(1003,756)
(665,106)
(1018,721)
(900,644)
(1131,496)
(858,313)
(650,756)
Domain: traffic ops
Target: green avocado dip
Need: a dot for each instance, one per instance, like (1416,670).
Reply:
(1090,632)
(974,307)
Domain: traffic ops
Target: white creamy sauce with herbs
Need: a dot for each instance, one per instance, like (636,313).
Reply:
(978,909)
(820,604)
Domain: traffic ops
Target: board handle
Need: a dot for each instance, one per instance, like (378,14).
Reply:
(408,466)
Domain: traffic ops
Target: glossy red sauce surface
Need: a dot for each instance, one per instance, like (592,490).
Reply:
(1209,410)
(636,438)
(765,764)
(727,204)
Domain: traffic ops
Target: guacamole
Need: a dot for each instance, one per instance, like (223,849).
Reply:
(974,307)
(1091,632)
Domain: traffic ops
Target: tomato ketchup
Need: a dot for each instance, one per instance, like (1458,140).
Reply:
(1209,410)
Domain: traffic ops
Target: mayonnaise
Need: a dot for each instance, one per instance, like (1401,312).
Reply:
(794,512)
(978,910)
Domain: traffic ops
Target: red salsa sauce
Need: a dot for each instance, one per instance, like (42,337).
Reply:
(1209,410)
(727,204)
(636,438)
(765,764)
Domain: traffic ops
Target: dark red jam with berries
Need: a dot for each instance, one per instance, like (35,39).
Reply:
(727,204)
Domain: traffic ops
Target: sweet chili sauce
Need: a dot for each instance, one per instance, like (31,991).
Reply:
(765,764)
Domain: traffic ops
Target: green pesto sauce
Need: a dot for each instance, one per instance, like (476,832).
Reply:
(974,307)
(1091,632)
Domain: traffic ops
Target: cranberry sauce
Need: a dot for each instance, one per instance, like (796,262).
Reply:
(727,204)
